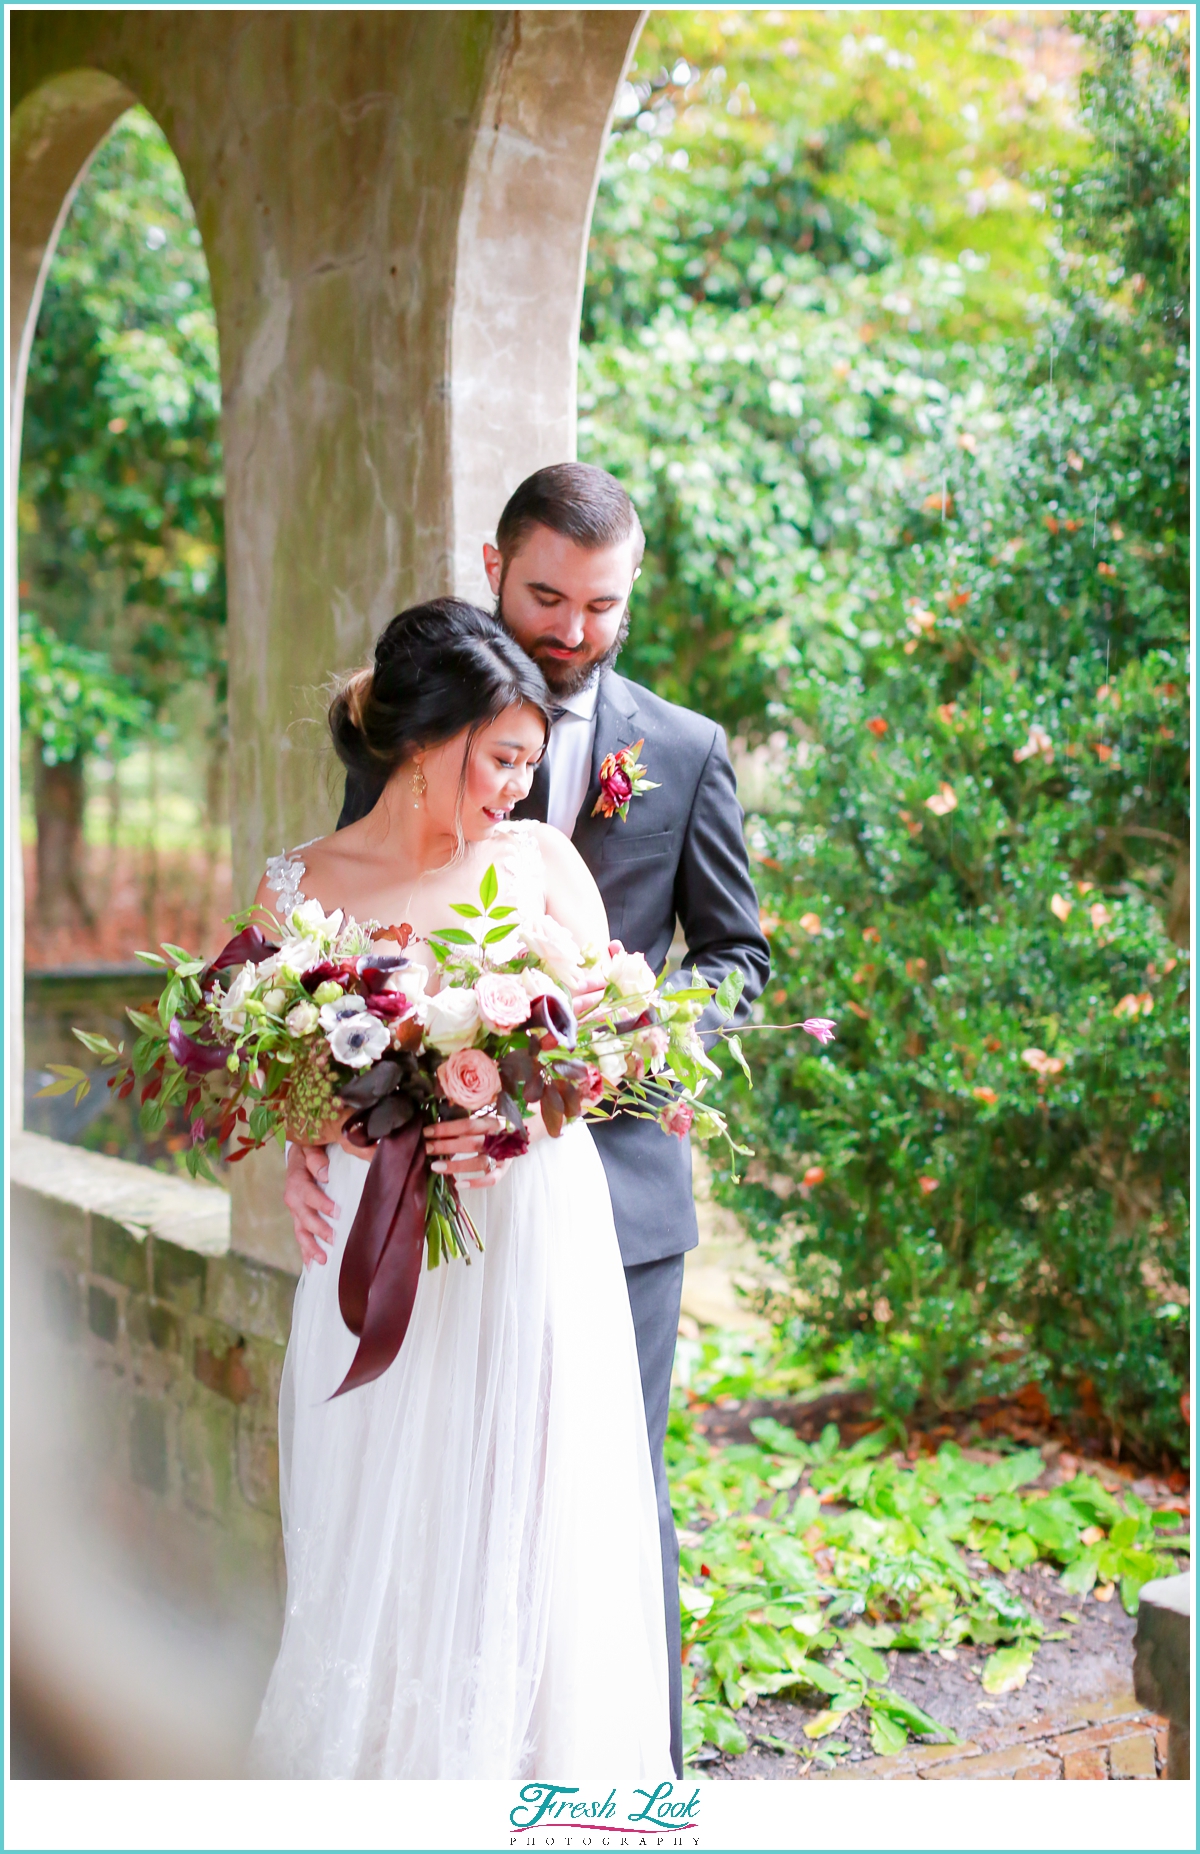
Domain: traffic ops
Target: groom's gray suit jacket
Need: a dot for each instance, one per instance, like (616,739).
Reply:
(680,854)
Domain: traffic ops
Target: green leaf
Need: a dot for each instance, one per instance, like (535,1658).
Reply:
(734,1045)
(141,1020)
(729,991)
(1008,1668)
(100,1045)
(867,1660)
(489,888)
(177,953)
(454,936)
(886,1736)
(779,1439)
(69,1078)
(906,1712)
(152,959)
(495,934)
(465,909)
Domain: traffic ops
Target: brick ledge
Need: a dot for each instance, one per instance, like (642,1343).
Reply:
(142,1201)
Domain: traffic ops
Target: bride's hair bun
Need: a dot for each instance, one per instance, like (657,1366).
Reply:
(439,668)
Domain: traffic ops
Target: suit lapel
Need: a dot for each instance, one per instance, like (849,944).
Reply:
(616,727)
(537,804)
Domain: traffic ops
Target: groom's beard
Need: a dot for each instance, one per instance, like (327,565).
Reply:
(565,679)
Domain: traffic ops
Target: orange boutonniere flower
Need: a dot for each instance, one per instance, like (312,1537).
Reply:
(621,778)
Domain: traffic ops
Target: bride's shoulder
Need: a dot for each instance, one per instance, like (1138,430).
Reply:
(282,885)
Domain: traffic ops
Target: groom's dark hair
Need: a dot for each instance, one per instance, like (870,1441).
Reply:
(577,500)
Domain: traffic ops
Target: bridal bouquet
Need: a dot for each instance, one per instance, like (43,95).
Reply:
(294,1035)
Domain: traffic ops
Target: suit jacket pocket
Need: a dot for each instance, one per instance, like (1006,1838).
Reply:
(620,850)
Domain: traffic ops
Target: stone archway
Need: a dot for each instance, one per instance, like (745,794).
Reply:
(394,206)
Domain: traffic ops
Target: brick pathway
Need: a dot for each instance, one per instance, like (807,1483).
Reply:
(1090,1741)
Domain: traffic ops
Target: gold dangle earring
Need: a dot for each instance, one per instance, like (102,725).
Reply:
(419,784)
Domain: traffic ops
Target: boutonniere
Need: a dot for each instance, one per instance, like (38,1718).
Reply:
(621,778)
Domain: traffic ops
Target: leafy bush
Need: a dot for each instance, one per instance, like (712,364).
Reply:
(984,866)
(921,518)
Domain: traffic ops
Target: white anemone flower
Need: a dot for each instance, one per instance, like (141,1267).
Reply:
(359,1040)
(333,1014)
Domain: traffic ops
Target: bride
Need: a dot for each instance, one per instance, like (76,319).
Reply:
(474,1585)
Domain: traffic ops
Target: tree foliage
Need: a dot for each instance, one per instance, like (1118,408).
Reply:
(940,549)
(120,512)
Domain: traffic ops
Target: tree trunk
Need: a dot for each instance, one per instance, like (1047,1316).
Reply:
(58,793)
(1179,907)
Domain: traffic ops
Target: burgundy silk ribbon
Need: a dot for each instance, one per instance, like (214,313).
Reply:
(381,1266)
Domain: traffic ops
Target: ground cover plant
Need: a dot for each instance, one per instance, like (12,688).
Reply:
(803,1564)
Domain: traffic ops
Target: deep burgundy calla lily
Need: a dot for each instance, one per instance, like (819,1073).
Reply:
(196,1058)
(249,944)
(551,1015)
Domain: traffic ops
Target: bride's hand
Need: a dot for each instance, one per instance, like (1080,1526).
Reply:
(456,1147)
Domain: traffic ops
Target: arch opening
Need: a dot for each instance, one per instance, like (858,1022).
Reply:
(121,608)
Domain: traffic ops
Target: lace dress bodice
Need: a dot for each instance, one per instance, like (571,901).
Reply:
(520,872)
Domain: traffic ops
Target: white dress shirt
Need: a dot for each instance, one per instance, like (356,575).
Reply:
(570,754)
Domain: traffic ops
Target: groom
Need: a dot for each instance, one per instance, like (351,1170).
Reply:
(567,551)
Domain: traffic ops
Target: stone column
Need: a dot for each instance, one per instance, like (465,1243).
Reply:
(394,206)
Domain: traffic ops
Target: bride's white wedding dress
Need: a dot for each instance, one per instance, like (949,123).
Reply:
(474,1577)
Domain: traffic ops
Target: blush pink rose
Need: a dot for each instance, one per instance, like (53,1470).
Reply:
(592,1090)
(677,1118)
(470,1079)
(503,1001)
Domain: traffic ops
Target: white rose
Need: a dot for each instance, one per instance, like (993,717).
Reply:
(411,980)
(302,1019)
(632,975)
(452,1019)
(232,1007)
(333,1014)
(359,1040)
(310,919)
(297,954)
(555,948)
(610,1054)
(539,986)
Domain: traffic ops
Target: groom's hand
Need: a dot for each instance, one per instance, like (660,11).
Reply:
(311,1210)
(591,992)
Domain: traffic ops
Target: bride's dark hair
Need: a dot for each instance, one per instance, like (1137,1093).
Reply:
(438,668)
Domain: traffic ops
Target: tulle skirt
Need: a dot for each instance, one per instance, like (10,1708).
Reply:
(474,1575)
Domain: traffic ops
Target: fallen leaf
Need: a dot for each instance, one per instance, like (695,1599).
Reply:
(824,1723)
(1008,1668)
(1103,1593)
